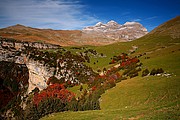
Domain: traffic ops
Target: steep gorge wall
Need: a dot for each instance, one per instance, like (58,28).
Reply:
(43,65)
(16,52)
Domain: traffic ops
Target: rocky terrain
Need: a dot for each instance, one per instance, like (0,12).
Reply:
(112,30)
(17,52)
(42,65)
(100,34)
(13,51)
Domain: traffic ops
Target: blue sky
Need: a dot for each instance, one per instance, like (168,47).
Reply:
(77,14)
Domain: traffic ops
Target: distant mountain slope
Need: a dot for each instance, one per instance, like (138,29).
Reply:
(60,37)
(100,34)
(170,28)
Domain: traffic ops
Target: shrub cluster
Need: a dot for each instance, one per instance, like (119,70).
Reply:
(156,71)
(52,99)
(45,107)
(57,99)
(119,58)
(13,85)
(153,72)
(131,68)
(145,72)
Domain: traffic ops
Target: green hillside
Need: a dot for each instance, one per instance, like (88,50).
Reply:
(158,96)
(150,97)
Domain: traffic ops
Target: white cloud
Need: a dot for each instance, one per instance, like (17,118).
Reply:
(55,14)
(136,20)
(125,13)
(151,18)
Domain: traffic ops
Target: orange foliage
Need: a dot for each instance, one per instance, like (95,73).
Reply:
(129,61)
(54,91)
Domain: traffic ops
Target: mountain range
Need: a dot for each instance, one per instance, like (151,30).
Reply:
(99,34)
(112,30)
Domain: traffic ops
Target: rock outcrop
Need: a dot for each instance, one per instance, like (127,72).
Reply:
(17,52)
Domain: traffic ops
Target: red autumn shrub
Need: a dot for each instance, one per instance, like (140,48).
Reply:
(129,62)
(54,91)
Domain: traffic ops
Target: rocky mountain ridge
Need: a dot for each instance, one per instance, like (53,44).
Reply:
(112,30)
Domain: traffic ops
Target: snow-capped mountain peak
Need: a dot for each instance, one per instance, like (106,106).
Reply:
(113,25)
(112,22)
(131,23)
(99,24)
(113,30)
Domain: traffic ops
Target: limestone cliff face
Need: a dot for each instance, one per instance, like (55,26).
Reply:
(43,65)
(17,52)
(38,75)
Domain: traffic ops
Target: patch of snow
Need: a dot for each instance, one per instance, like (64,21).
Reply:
(131,23)
(130,27)
(111,22)
(144,29)
(99,24)
(122,28)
